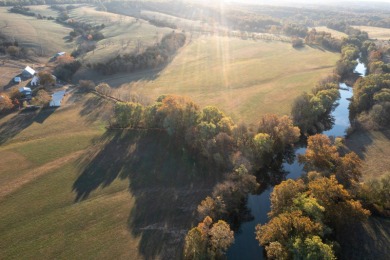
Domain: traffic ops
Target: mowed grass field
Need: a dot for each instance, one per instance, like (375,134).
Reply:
(375,32)
(45,37)
(374,148)
(245,78)
(122,33)
(336,34)
(71,190)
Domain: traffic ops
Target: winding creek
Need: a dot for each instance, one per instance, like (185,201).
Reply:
(245,245)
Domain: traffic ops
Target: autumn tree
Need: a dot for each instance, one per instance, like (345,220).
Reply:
(221,238)
(208,240)
(128,114)
(65,59)
(281,232)
(320,155)
(280,129)
(376,193)
(195,245)
(349,169)
(340,208)
(5,102)
(87,85)
(103,88)
(42,98)
(312,248)
(46,78)
(262,149)
(229,196)
(178,114)
(283,195)
(214,207)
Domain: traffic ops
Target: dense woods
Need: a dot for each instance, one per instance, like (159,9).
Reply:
(370,105)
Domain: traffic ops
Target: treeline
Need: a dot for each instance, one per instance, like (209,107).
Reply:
(251,22)
(11,47)
(370,103)
(310,216)
(88,31)
(22,10)
(19,9)
(209,134)
(310,111)
(65,70)
(158,22)
(153,57)
(323,39)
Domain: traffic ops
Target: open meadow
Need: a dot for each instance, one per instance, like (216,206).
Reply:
(69,189)
(45,37)
(245,78)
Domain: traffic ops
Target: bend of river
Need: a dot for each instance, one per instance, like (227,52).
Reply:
(245,245)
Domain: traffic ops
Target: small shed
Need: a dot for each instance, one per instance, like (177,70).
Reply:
(26,91)
(28,72)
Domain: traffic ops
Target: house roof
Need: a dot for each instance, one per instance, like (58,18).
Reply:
(29,70)
(24,89)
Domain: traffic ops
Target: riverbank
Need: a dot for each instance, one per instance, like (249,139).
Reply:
(246,246)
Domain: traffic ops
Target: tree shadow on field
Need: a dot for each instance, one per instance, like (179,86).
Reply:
(165,182)
(96,108)
(21,121)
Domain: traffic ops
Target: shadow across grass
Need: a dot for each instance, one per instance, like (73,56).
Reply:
(96,108)
(165,181)
(21,121)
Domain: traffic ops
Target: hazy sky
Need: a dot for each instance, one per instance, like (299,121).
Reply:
(308,1)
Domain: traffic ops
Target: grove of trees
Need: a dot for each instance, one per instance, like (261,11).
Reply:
(208,240)
(308,214)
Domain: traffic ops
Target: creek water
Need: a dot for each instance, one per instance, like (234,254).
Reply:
(245,245)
